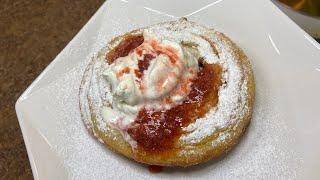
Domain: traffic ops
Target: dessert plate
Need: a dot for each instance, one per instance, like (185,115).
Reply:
(280,143)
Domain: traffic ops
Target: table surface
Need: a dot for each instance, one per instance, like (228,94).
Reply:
(32,33)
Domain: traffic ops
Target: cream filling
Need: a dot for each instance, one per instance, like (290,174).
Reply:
(165,83)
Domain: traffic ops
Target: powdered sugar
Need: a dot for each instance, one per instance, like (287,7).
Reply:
(231,104)
(232,94)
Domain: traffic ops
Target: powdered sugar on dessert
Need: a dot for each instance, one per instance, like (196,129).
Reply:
(231,103)
(100,93)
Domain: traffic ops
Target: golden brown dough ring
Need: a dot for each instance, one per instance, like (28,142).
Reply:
(210,147)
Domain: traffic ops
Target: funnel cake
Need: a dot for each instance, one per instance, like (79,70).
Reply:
(172,94)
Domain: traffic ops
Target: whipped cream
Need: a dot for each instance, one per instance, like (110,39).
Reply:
(155,75)
(97,100)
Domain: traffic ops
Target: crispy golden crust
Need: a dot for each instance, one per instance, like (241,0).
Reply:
(190,154)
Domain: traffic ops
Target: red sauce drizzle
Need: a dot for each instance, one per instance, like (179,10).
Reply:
(169,51)
(125,70)
(129,43)
(138,73)
(157,131)
(145,63)
(156,49)
(155,169)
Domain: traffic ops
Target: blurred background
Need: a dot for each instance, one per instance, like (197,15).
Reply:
(306,13)
(311,7)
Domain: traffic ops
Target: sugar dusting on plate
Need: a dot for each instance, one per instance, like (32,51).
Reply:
(264,153)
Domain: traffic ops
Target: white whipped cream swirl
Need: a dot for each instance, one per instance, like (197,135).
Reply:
(165,82)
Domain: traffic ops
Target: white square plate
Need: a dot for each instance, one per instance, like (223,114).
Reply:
(281,142)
